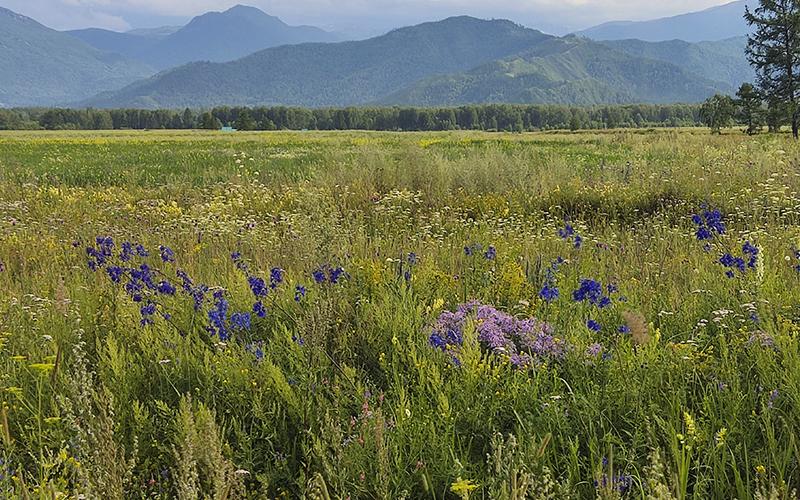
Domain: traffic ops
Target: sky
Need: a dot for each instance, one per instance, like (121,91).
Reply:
(352,17)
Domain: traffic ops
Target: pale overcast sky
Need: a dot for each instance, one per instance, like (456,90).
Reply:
(353,16)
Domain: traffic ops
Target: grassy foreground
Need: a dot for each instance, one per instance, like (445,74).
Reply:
(375,315)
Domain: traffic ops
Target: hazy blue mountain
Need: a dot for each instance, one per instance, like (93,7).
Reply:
(456,61)
(226,36)
(158,32)
(716,23)
(214,36)
(126,44)
(568,70)
(722,61)
(345,73)
(42,66)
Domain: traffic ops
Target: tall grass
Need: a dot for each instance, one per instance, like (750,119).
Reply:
(340,393)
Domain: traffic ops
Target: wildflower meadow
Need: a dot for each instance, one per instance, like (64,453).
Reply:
(399,315)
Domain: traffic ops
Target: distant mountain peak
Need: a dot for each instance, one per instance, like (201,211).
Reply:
(711,24)
(50,67)
(245,9)
(17,17)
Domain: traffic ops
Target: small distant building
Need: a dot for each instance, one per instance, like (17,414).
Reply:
(227,128)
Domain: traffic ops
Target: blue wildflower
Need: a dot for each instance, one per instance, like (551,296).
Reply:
(619,483)
(436,340)
(595,350)
(141,251)
(257,349)
(412,259)
(241,265)
(549,292)
(473,249)
(134,289)
(299,293)
(257,286)
(591,291)
(166,288)
(275,277)
(115,273)
(218,317)
(593,325)
(167,255)
(772,397)
(624,329)
(259,309)
(733,263)
(567,232)
(491,253)
(336,274)
(147,311)
(240,321)
(709,223)
(105,244)
(144,274)
(319,276)
(127,251)
(751,251)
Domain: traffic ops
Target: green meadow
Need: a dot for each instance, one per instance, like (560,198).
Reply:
(399,315)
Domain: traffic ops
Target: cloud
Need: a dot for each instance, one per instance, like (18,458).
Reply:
(118,14)
(64,15)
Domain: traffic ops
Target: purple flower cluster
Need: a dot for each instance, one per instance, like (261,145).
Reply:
(762,339)
(522,341)
(709,224)
(405,266)
(138,280)
(734,263)
(477,249)
(327,274)
(146,285)
(256,348)
(259,288)
(594,293)
(620,483)
(196,292)
(549,292)
(593,325)
(567,233)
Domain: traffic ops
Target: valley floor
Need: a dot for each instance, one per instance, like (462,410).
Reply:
(416,315)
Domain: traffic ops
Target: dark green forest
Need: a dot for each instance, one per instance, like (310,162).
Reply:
(500,117)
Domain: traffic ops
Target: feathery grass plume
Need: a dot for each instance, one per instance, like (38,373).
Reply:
(656,477)
(105,471)
(637,324)
(770,491)
(516,470)
(201,468)
(317,489)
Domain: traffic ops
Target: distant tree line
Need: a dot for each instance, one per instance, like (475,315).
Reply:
(494,117)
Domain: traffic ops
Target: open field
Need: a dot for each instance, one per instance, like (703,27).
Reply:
(624,313)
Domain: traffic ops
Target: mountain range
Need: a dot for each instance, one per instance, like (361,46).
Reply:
(245,57)
(455,61)
(214,36)
(716,23)
(42,66)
